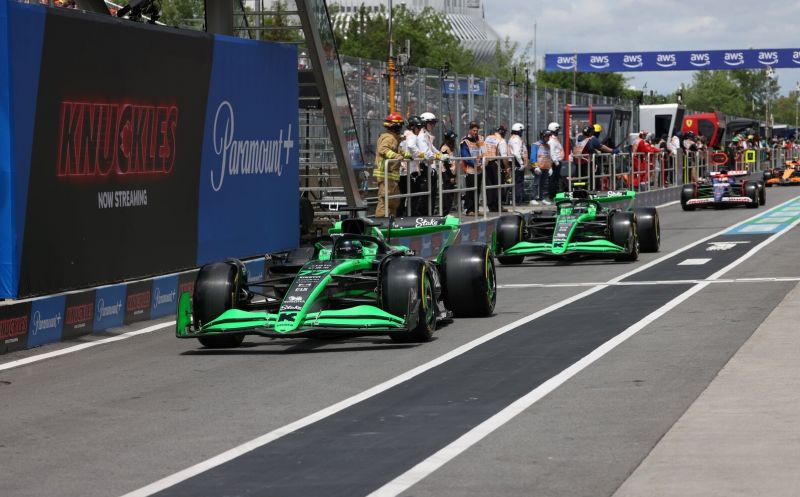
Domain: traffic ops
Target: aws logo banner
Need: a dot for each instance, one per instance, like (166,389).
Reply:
(674,60)
(249,169)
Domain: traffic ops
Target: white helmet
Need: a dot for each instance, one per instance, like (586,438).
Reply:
(517,127)
(554,127)
(428,117)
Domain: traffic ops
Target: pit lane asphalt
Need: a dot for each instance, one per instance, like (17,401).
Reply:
(114,418)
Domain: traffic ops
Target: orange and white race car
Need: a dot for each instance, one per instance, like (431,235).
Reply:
(789,175)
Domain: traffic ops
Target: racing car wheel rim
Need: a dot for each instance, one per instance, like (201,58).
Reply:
(427,298)
(491,285)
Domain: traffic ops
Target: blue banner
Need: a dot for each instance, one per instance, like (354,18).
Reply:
(696,60)
(165,296)
(47,321)
(248,200)
(451,87)
(109,307)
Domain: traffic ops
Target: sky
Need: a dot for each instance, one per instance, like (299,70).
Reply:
(650,25)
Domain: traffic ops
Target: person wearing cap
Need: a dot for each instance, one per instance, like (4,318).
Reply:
(472,146)
(387,174)
(410,173)
(519,154)
(556,155)
(432,155)
(496,146)
(642,162)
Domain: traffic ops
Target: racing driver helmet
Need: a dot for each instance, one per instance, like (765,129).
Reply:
(348,249)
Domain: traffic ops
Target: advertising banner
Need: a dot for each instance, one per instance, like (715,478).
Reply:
(116,149)
(46,322)
(137,301)
(462,87)
(697,60)
(14,322)
(249,173)
(78,314)
(109,307)
(165,296)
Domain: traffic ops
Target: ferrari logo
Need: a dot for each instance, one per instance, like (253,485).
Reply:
(689,123)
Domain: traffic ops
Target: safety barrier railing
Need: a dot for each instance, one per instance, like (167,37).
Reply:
(414,173)
(493,193)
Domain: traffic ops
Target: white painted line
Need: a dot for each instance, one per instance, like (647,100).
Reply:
(668,204)
(693,262)
(445,455)
(246,447)
(650,283)
(83,346)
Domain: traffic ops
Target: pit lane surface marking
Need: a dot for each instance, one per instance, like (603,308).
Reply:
(94,343)
(269,467)
(658,282)
(124,336)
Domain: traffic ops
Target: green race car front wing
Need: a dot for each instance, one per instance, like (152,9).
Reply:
(357,320)
(597,247)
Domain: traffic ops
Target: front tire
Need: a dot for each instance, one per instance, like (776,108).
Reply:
(751,191)
(624,234)
(508,232)
(215,292)
(404,279)
(648,228)
(762,193)
(469,279)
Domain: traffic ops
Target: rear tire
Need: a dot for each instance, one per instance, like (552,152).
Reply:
(508,232)
(648,228)
(469,279)
(624,233)
(400,277)
(687,193)
(751,191)
(215,292)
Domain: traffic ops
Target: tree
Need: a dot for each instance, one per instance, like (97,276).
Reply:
(741,92)
(607,84)
(183,13)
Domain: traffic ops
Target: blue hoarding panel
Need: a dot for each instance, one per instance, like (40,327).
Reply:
(450,87)
(165,296)
(21,37)
(47,321)
(109,307)
(695,60)
(248,201)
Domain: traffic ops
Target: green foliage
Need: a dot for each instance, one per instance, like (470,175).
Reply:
(607,84)
(431,42)
(279,23)
(741,92)
(183,13)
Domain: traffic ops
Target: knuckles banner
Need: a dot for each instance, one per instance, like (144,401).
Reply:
(131,151)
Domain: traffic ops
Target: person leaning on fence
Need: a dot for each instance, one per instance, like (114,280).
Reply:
(643,160)
(449,177)
(541,170)
(388,174)
(557,155)
(585,148)
(519,154)
(414,182)
(496,146)
(432,155)
(472,146)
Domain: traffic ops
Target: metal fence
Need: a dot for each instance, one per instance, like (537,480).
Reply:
(456,99)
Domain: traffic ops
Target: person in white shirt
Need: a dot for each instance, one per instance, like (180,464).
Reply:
(557,155)
(432,155)
(410,147)
(519,152)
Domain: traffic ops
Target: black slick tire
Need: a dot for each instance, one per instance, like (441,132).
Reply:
(404,278)
(624,234)
(687,193)
(508,232)
(762,193)
(751,191)
(648,227)
(470,286)
(215,291)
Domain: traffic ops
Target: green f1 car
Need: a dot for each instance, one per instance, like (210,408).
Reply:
(580,226)
(351,282)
